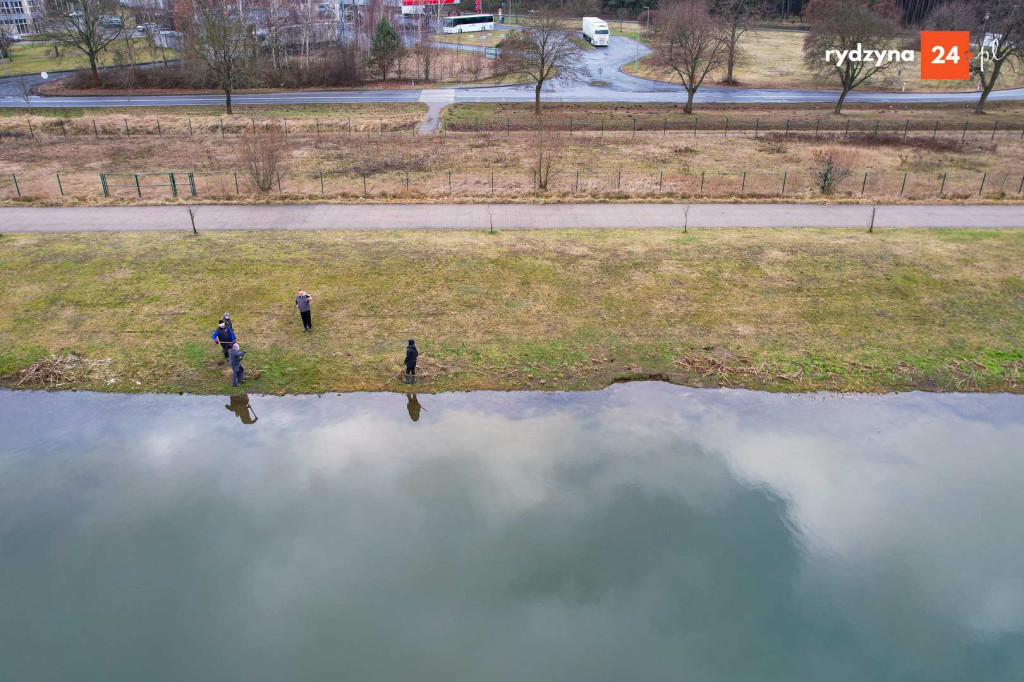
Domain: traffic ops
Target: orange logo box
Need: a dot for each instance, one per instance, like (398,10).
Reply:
(946,55)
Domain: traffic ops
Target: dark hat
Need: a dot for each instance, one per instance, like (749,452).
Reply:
(412,342)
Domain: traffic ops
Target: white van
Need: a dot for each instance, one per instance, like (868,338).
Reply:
(596,31)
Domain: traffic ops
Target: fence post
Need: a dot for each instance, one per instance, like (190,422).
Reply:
(285,125)
(222,128)
(847,127)
(138,187)
(817,122)
(602,126)
(634,126)
(757,125)
(1021,185)
(127,130)
(407,181)
(661,180)
(59,185)
(743,187)
(664,126)
(534,183)
(62,130)
(237,190)
(322,183)
(318,131)
(450,182)
(31,132)
(174,187)
(904,184)
(726,126)
(364,184)
(943,186)
(982,188)
(994,126)
(864,184)
(253,124)
(702,182)
(695,127)
(16,188)
(618,180)
(936,131)
(785,175)
(95,132)
(964,136)
(190,127)
(278,182)
(906,127)
(350,127)
(787,127)
(103,182)
(159,132)
(192,183)
(877,122)
(578,183)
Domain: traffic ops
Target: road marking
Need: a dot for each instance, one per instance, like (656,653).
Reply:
(438,96)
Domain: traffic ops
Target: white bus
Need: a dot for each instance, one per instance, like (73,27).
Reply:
(468,23)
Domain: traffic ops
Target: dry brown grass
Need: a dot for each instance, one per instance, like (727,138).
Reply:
(400,166)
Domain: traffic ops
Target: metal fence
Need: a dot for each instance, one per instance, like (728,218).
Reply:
(61,128)
(485,184)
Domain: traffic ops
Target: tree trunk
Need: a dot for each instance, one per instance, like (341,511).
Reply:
(688,109)
(997,64)
(536,101)
(842,98)
(95,72)
(227,100)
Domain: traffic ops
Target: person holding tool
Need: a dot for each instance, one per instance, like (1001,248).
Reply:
(411,354)
(237,371)
(224,336)
(302,304)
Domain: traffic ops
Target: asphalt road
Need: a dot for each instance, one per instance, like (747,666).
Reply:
(603,65)
(498,216)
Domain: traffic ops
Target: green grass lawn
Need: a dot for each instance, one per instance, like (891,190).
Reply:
(767,309)
(38,57)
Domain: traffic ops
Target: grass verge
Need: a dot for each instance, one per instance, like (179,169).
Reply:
(785,310)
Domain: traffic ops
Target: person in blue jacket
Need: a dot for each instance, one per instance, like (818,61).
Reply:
(225,337)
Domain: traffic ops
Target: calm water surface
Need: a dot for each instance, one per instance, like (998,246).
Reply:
(645,532)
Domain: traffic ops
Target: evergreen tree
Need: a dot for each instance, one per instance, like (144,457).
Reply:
(386,48)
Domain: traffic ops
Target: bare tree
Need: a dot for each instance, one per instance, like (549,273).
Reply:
(830,167)
(262,152)
(550,148)
(217,41)
(23,85)
(424,54)
(952,15)
(841,27)
(737,15)
(539,52)
(86,26)
(1001,33)
(691,44)
(126,56)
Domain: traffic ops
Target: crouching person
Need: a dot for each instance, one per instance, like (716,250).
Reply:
(235,360)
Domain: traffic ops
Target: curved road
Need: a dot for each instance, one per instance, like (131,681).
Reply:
(603,65)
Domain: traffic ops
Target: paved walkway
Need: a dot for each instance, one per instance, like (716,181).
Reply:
(500,216)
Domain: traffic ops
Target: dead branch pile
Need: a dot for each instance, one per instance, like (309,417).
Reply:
(708,366)
(51,372)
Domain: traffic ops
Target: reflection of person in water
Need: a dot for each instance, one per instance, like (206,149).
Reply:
(240,405)
(414,407)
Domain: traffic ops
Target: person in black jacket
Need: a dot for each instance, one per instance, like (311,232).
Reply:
(411,353)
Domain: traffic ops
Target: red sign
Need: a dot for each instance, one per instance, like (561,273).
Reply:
(478,6)
(946,55)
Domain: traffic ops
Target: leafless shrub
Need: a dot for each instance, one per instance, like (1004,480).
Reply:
(549,147)
(262,151)
(831,166)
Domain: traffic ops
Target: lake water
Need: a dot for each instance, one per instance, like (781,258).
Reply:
(645,532)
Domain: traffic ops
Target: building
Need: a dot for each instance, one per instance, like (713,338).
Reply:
(16,16)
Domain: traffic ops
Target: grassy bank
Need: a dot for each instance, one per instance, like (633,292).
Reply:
(789,310)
